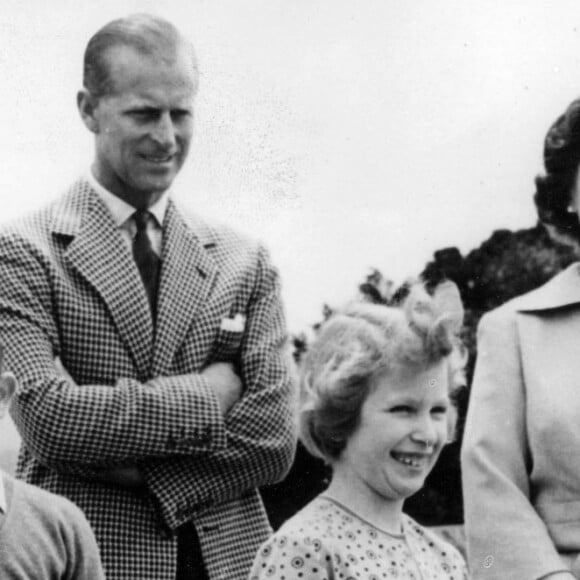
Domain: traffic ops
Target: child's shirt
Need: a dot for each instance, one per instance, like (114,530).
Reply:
(325,541)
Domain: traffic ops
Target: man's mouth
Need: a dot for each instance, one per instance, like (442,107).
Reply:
(410,459)
(158,158)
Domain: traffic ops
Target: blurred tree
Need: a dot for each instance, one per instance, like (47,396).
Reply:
(376,288)
(299,346)
(506,265)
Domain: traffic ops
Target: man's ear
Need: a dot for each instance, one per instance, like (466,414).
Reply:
(7,389)
(87,105)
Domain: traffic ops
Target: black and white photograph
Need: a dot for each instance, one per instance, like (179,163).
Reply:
(288,290)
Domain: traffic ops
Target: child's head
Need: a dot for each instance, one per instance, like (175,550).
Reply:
(377,381)
(7,386)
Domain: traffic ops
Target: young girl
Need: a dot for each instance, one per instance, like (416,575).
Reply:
(375,405)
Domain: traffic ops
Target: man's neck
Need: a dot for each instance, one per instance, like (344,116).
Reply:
(120,209)
(136,199)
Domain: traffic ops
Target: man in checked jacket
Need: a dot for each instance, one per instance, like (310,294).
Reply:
(155,389)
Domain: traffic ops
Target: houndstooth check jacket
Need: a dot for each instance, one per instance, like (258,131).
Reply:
(69,288)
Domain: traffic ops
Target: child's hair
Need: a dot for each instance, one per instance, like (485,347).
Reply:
(363,342)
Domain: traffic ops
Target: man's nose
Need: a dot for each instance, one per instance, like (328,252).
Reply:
(163,132)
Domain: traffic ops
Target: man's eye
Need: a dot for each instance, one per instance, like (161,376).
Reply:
(144,114)
(178,116)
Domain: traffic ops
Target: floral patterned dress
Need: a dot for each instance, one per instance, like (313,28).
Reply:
(326,541)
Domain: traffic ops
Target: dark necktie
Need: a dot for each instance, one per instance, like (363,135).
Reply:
(147,260)
(190,565)
(189,558)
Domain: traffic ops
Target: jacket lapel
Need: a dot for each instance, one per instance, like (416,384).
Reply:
(187,277)
(99,254)
(562,290)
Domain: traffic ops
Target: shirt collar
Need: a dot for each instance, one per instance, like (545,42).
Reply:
(120,209)
(3,505)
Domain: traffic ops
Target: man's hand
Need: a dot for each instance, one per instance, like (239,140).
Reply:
(225,383)
(61,370)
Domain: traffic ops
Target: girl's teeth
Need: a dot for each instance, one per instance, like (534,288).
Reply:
(408,461)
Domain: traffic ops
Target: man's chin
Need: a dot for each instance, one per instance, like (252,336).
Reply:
(154,186)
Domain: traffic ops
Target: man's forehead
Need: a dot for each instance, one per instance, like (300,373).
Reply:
(131,68)
(158,100)
(121,54)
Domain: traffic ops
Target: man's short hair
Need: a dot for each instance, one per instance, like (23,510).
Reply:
(147,34)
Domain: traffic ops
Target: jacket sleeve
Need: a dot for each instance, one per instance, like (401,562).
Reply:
(260,427)
(76,428)
(505,536)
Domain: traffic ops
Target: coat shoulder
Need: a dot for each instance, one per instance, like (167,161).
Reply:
(29,233)
(224,242)
(37,224)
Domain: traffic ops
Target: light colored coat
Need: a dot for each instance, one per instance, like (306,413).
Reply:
(69,288)
(521,448)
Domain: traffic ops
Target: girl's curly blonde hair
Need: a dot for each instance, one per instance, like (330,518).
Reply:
(363,342)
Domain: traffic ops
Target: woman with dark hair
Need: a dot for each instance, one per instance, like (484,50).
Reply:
(520,456)
(375,405)
(556,190)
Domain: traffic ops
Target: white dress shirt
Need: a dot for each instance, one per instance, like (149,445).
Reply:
(122,213)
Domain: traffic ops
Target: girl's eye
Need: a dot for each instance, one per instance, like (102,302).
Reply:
(439,410)
(401,409)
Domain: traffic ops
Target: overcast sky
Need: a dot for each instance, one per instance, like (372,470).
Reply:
(345,134)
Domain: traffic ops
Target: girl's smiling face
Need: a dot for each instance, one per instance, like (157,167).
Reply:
(403,427)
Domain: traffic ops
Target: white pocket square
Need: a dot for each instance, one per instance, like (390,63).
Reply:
(235,324)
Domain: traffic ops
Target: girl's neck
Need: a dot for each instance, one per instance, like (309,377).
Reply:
(383,513)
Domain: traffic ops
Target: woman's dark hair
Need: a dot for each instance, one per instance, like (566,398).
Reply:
(561,159)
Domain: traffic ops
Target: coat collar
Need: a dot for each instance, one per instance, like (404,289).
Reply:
(98,253)
(562,290)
